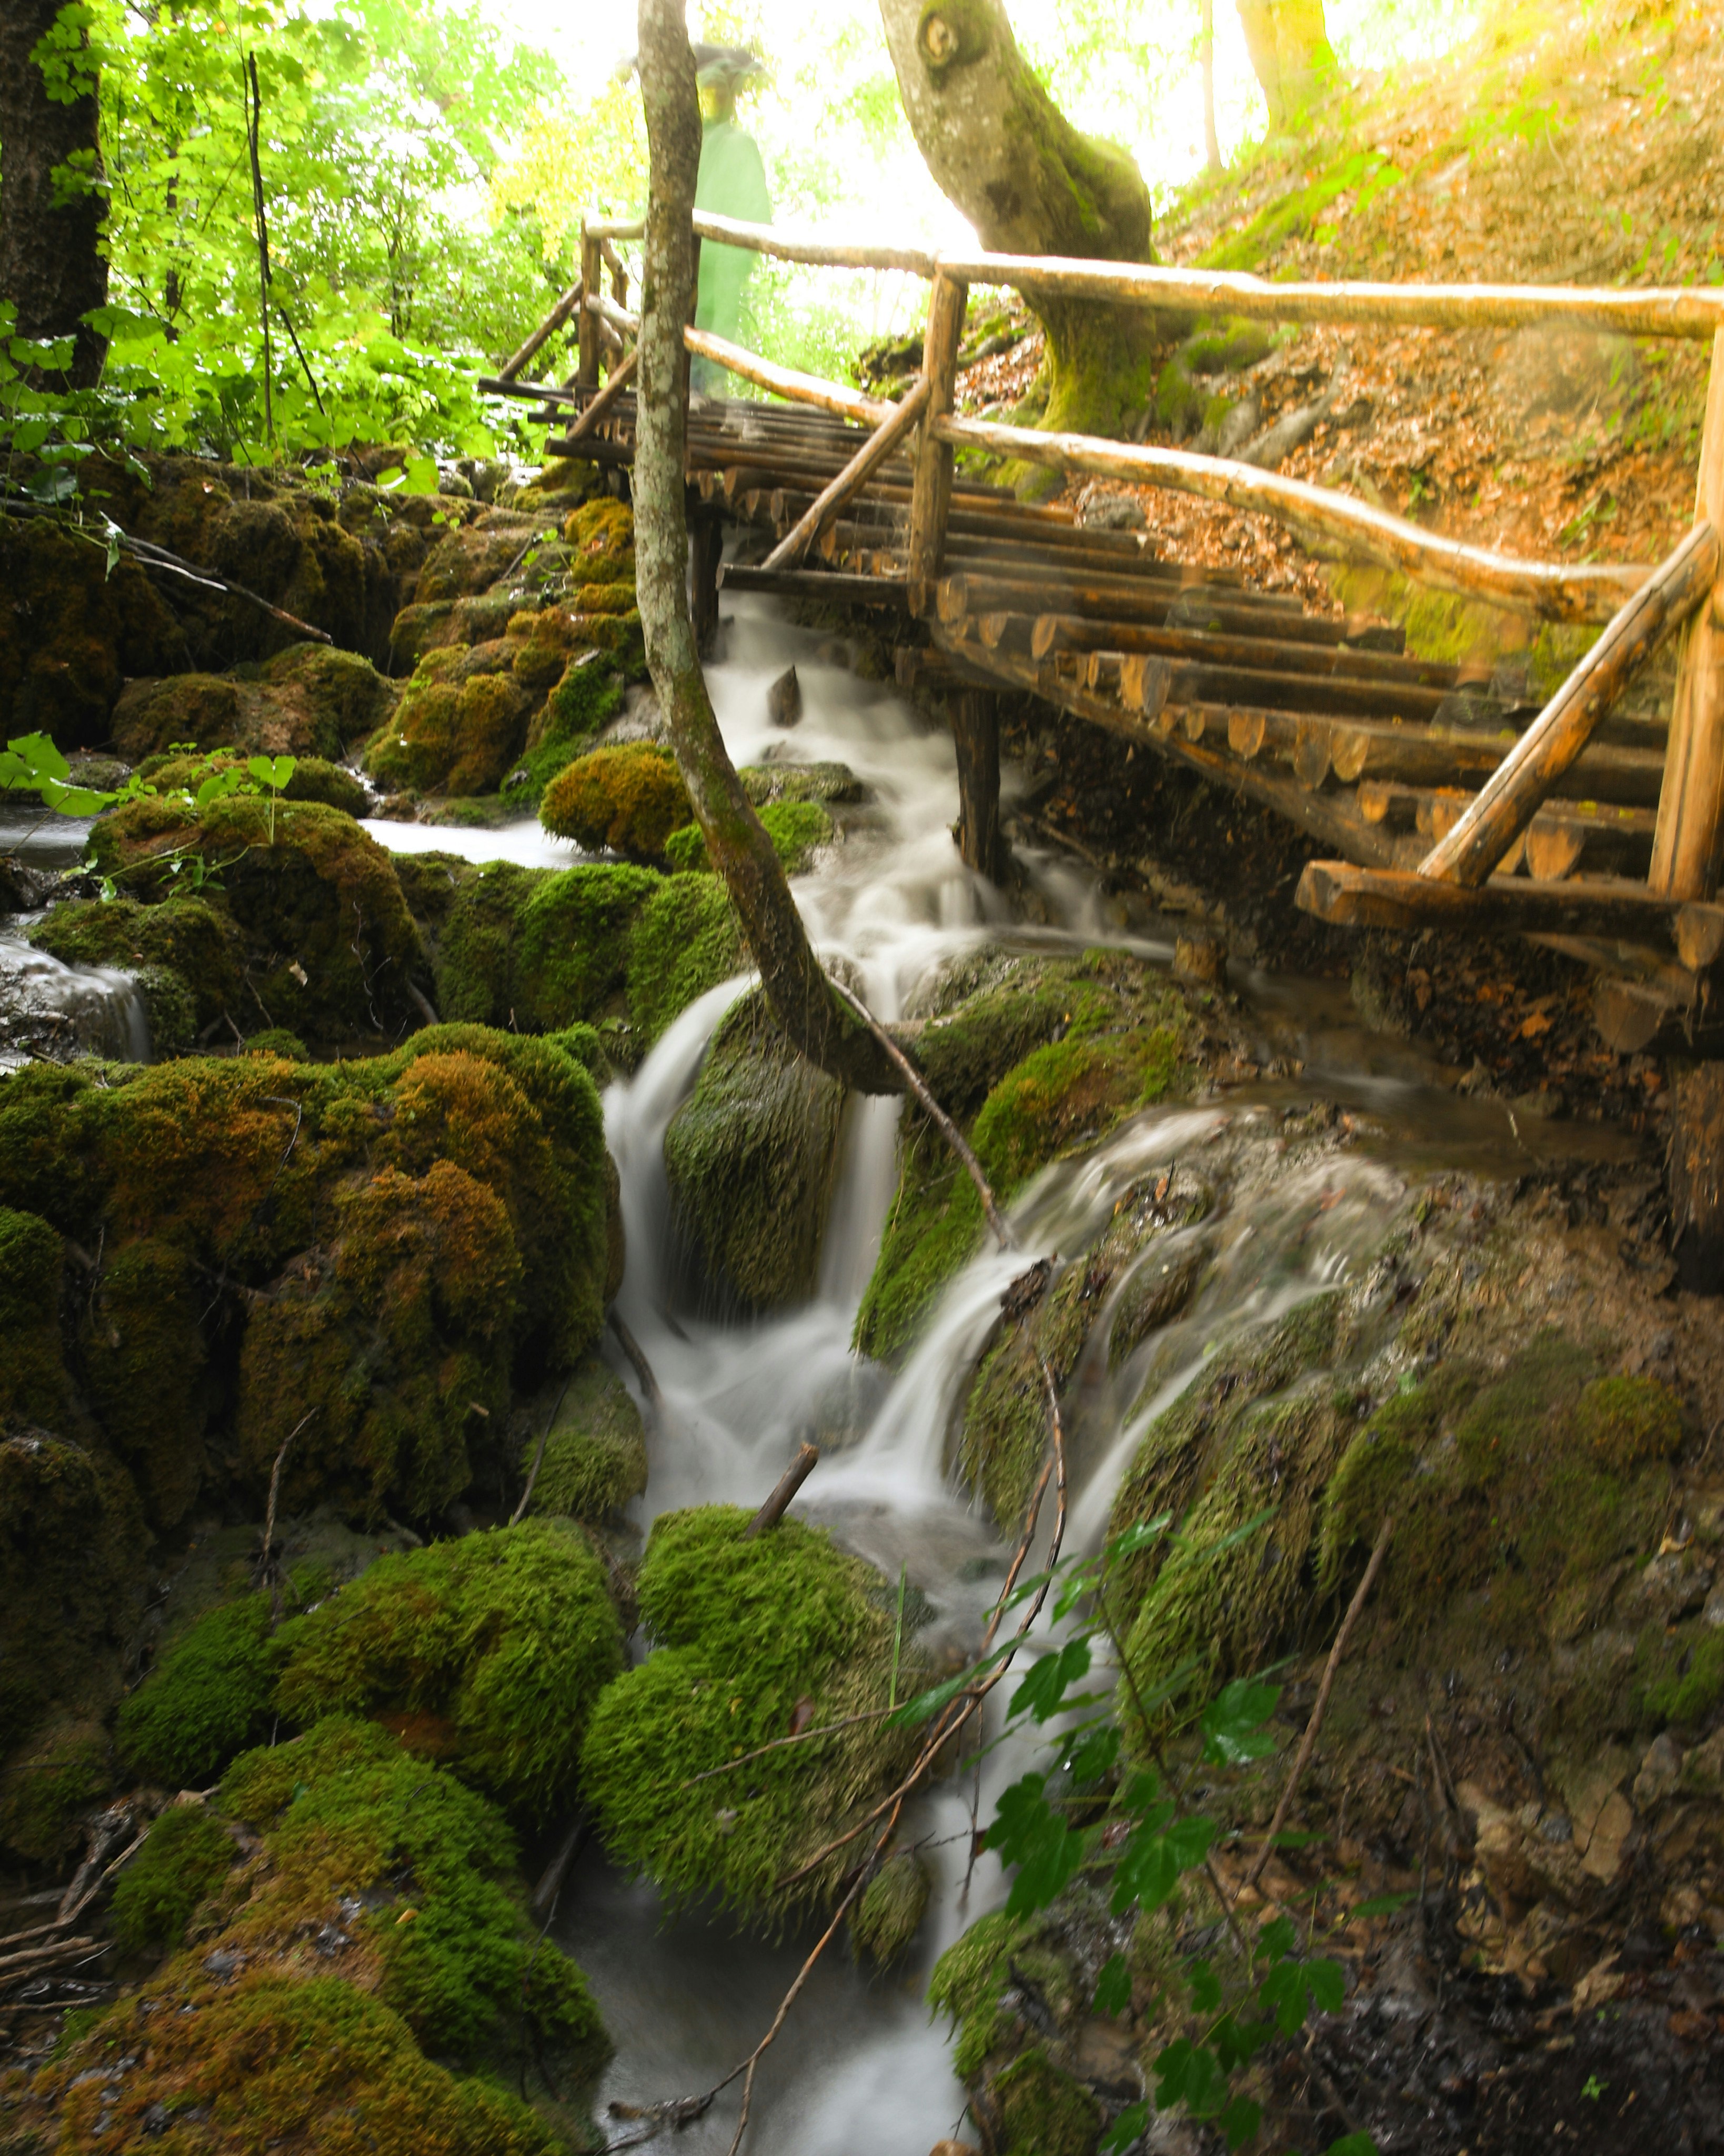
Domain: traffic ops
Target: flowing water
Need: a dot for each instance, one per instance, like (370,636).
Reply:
(97,1009)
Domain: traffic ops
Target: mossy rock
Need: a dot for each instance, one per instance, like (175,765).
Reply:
(195,945)
(539,949)
(564,481)
(308,702)
(471,559)
(314,779)
(1039,1058)
(600,534)
(187,1856)
(1042,2110)
(329,948)
(889,1913)
(746,1629)
(686,940)
(277,1040)
(34,1386)
(492,1648)
(828,783)
(751,1158)
(399,1875)
(796,828)
(368,1283)
(50,1782)
(595,1460)
(452,732)
(627,799)
(210,1697)
(966,1983)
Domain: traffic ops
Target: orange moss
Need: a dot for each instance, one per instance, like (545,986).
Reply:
(629,799)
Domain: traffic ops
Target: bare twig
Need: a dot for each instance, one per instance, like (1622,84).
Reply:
(254,127)
(266,1563)
(520,1511)
(1307,1742)
(779,1743)
(643,1369)
(808,1458)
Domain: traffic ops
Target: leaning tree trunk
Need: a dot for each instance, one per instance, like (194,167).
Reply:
(1030,183)
(52,267)
(1289,43)
(800,995)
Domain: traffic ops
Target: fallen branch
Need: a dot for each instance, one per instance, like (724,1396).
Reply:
(266,1562)
(778,1744)
(520,1511)
(15,1964)
(643,1369)
(1307,1742)
(808,1458)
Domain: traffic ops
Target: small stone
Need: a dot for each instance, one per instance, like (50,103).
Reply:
(1202,959)
(223,1962)
(1659,1771)
(1112,512)
(784,698)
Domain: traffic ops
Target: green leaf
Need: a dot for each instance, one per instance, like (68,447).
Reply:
(1379,1905)
(1292,1988)
(1043,1691)
(1352,2144)
(1125,2129)
(1205,1987)
(1094,1754)
(38,753)
(1113,1986)
(927,1704)
(1028,1834)
(420,476)
(1277,1937)
(1137,1537)
(1161,1849)
(1239,2120)
(1233,1723)
(273,771)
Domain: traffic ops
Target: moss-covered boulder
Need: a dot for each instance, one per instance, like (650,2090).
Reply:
(460,725)
(595,1460)
(686,940)
(376,1245)
(472,557)
(309,700)
(1035,1058)
(751,1156)
(48,1784)
(187,954)
(487,1651)
(754,1637)
(585,697)
(210,1697)
(796,828)
(371,1933)
(330,949)
(539,949)
(314,779)
(600,536)
(628,799)
(188,1854)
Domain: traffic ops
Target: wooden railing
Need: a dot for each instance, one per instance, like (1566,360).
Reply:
(1641,606)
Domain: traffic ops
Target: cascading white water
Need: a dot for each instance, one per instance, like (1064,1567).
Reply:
(94,1007)
(860,2069)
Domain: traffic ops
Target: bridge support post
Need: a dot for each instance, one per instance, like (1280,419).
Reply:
(931,494)
(976,729)
(586,365)
(1691,809)
(706,549)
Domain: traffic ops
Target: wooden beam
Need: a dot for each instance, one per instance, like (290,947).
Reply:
(976,733)
(822,584)
(826,504)
(1553,590)
(1584,905)
(621,376)
(586,365)
(546,329)
(805,248)
(1555,739)
(1690,815)
(932,495)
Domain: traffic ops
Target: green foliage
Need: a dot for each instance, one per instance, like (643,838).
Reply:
(187,1855)
(505,1638)
(211,1695)
(744,1630)
(186,936)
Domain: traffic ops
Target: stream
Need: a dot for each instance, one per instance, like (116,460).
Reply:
(861,2069)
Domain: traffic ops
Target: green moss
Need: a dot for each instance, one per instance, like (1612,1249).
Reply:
(686,940)
(967,1981)
(751,1156)
(537,949)
(371,1289)
(33,1384)
(47,1787)
(346,1811)
(796,829)
(314,779)
(186,1858)
(188,937)
(1043,2111)
(601,535)
(346,695)
(628,799)
(1626,1420)
(1686,1681)
(210,1695)
(277,1040)
(1111,1034)
(451,735)
(745,1631)
(316,2062)
(328,944)
(890,1912)
(765,783)
(507,1638)
(595,1457)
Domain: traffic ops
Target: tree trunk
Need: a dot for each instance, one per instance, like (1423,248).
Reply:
(1289,43)
(1030,183)
(801,997)
(51,264)
(1206,41)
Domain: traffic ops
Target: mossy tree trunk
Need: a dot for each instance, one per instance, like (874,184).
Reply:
(796,987)
(52,267)
(1290,54)
(1030,183)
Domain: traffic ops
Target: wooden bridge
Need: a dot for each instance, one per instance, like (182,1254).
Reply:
(1594,823)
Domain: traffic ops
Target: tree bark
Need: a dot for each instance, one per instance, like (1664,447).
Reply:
(800,995)
(1289,43)
(1004,153)
(52,267)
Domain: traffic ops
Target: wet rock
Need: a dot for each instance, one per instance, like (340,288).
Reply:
(1659,1774)
(1202,959)
(307,701)
(595,1460)
(784,700)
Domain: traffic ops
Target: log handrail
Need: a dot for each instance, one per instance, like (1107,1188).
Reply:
(1646,310)
(874,452)
(1511,797)
(1553,590)
(567,303)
